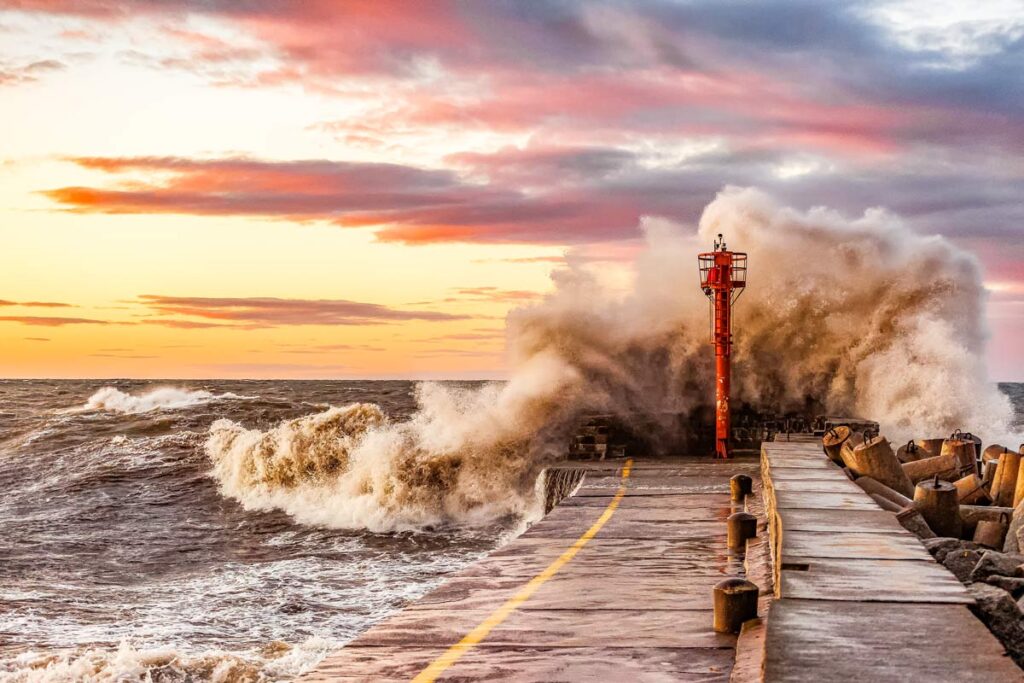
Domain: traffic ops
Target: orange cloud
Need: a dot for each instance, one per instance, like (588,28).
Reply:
(270,311)
(35,304)
(51,321)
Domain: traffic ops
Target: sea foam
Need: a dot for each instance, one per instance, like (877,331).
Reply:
(112,399)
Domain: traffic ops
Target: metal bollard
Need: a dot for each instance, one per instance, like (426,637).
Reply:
(741,526)
(740,486)
(735,602)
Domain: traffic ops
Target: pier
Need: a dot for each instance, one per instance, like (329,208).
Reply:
(615,583)
(858,596)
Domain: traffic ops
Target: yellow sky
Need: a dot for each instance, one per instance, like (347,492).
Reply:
(100,264)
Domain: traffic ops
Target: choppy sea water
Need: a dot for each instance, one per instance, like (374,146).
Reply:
(1015,390)
(118,556)
(119,559)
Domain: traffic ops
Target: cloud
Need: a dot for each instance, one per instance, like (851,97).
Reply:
(405,203)
(184,324)
(483,335)
(823,53)
(35,304)
(495,294)
(28,73)
(270,311)
(317,349)
(773,73)
(51,321)
(524,259)
(457,353)
(853,106)
(538,203)
(46,304)
(274,370)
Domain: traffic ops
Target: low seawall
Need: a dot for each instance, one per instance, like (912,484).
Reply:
(560,483)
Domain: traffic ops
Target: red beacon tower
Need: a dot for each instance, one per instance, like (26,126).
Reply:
(723,275)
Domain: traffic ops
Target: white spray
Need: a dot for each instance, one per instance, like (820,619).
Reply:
(858,316)
(112,399)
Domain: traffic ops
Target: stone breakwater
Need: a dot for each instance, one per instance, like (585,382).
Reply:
(965,504)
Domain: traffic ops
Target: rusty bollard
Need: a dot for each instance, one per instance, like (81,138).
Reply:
(937,502)
(833,442)
(741,526)
(735,602)
(740,486)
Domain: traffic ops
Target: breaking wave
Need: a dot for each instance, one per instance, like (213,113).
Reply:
(849,316)
(275,661)
(114,400)
(467,456)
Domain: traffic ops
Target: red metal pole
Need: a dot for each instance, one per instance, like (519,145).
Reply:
(722,278)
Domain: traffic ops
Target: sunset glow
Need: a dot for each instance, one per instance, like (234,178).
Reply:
(365,189)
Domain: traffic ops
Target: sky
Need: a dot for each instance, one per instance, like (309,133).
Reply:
(320,189)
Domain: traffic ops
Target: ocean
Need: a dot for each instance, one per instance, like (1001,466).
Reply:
(120,557)
(118,554)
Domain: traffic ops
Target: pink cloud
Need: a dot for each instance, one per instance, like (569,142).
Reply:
(404,203)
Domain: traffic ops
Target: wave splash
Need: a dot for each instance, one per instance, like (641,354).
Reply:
(467,456)
(851,316)
(111,399)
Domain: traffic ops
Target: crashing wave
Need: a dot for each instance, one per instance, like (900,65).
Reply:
(114,400)
(860,316)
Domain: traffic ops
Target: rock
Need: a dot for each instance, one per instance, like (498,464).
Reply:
(962,563)
(1012,585)
(1000,613)
(942,545)
(996,563)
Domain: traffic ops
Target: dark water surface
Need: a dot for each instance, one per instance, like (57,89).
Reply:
(119,559)
(111,530)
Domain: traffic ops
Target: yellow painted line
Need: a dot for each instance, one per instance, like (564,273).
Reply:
(474,637)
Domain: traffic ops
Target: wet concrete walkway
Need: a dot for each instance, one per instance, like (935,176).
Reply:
(614,584)
(859,597)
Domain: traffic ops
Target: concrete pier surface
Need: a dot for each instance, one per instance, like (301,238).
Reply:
(614,584)
(857,596)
